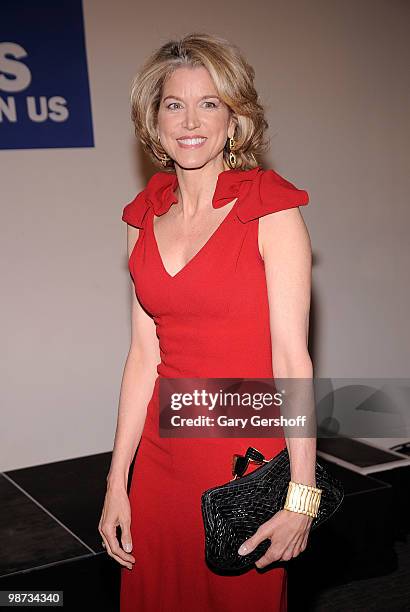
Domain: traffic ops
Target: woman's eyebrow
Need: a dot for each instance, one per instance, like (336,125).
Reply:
(202,97)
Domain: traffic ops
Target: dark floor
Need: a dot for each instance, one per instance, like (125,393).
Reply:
(49,541)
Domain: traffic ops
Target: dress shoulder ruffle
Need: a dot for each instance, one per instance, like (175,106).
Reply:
(260,193)
(134,212)
(270,192)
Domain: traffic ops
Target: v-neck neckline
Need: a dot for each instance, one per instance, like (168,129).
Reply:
(195,257)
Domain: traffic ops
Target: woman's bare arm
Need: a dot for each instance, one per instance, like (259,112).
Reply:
(286,250)
(136,386)
(284,244)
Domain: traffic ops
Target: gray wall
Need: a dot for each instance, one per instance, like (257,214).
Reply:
(333,76)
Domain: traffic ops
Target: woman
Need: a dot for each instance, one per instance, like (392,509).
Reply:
(221,262)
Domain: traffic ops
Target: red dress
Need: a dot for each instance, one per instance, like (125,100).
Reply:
(212,320)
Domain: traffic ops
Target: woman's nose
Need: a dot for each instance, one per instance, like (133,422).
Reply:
(191,119)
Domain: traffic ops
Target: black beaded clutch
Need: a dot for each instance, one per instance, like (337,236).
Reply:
(233,511)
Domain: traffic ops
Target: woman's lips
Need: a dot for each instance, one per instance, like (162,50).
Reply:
(195,144)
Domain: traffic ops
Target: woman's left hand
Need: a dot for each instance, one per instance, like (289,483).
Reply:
(288,532)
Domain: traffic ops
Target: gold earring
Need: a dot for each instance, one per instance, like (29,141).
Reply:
(164,157)
(232,156)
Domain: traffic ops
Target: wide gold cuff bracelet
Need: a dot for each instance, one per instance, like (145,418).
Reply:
(303,499)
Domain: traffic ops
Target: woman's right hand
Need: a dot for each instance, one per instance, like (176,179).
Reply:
(117,511)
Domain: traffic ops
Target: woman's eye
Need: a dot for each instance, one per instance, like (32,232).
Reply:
(173,105)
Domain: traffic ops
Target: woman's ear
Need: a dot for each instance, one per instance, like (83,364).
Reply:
(232,126)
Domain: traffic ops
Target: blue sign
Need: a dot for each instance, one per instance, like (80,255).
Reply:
(44,90)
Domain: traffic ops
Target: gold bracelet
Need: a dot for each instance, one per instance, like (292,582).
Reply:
(303,499)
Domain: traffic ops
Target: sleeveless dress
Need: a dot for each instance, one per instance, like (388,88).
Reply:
(212,320)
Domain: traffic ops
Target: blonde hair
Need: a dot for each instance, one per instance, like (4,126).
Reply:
(234,81)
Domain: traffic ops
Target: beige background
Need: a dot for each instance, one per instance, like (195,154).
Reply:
(335,82)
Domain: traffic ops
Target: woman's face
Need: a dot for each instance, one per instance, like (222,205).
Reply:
(193,122)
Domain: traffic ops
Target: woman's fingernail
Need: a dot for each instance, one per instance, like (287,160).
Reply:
(127,547)
(243,549)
